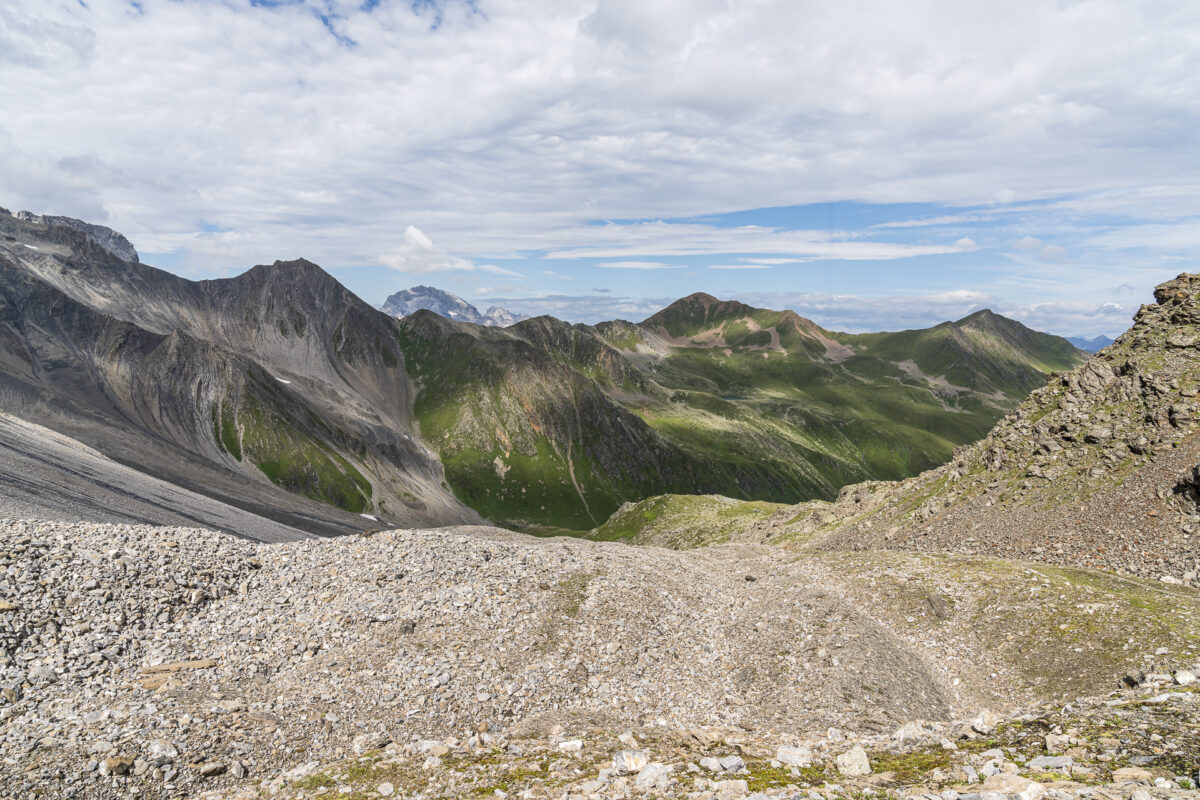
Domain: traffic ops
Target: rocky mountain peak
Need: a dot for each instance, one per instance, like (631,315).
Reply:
(408,301)
(103,237)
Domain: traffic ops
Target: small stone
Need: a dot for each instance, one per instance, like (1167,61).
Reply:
(854,762)
(116,765)
(794,756)
(653,776)
(627,762)
(731,790)
(571,746)
(711,764)
(1051,762)
(211,769)
(238,769)
(731,763)
(985,722)
(385,789)
(1185,677)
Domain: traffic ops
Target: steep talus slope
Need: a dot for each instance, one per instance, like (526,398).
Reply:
(46,475)
(277,391)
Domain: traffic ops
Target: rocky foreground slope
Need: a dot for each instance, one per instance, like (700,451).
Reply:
(474,662)
(1097,468)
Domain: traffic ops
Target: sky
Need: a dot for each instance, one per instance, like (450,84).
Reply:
(872,165)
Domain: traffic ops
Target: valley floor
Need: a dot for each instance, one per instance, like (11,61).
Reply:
(475,662)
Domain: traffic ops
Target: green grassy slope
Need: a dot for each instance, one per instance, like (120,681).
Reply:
(552,424)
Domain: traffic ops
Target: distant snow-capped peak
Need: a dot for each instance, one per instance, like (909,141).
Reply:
(408,301)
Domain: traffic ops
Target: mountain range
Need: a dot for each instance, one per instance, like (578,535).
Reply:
(1092,345)
(1019,620)
(282,394)
(451,306)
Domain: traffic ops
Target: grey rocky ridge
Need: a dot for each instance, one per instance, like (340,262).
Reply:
(276,392)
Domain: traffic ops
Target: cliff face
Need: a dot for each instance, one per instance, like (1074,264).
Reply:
(276,390)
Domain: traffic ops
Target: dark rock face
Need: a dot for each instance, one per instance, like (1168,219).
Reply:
(277,391)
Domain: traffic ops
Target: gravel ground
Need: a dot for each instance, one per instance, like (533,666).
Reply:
(175,661)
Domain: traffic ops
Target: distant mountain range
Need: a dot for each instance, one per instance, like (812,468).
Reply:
(1093,345)
(548,423)
(408,301)
(280,393)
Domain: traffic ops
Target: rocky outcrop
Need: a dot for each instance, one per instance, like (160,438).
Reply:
(103,237)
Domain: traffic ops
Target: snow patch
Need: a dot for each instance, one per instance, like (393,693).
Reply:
(281,380)
(368,516)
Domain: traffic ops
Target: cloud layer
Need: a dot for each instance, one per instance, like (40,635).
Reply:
(460,137)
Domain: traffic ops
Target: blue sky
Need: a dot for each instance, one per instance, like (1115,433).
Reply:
(876,167)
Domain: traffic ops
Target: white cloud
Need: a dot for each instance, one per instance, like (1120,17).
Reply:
(740,266)
(492,268)
(660,238)
(530,119)
(1053,252)
(417,256)
(648,265)
(965,243)
(1028,244)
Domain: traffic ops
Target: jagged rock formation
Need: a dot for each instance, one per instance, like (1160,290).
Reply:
(409,301)
(278,391)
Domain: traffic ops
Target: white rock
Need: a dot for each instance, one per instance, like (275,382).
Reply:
(571,746)
(655,775)
(628,762)
(854,762)
(985,722)
(731,763)
(731,790)
(385,789)
(1185,677)
(794,756)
